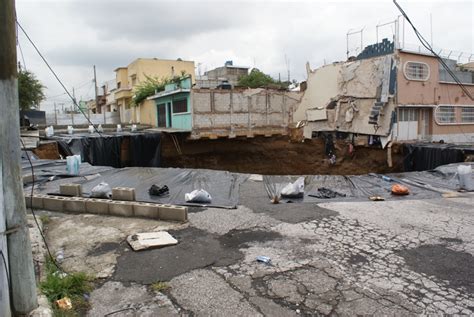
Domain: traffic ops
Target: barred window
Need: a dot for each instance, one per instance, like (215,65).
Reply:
(467,114)
(416,71)
(445,114)
(180,106)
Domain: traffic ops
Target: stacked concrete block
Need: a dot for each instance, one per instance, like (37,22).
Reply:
(74,204)
(35,201)
(123,193)
(121,208)
(145,210)
(53,203)
(97,206)
(174,213)
(70,190)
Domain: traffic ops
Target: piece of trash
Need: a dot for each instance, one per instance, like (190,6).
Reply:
(73,163)
(376,198)
(64,303)
(398,189)
(386,178)
(100,128)
(102,190)
(464,177)
(294,190)
(91,129)
(60,256)
(156,190)
(134,128)
(119,128)
(147,240)
(326,193)
(332,159)
(49,131)
(275,200)
(264,259)
(198,196)
(70,129)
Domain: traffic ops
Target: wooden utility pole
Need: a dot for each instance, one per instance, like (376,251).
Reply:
(97,110)
(20,260)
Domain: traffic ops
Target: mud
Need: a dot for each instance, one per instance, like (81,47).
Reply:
(276,156)
(437,260)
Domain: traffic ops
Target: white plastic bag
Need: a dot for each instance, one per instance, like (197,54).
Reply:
(70,129)
(73,163)
(102,190)
(464,177)
(49,131)
(295,189)
(91,129)
(100,128)
(198,196)
(134,128)
(119,128)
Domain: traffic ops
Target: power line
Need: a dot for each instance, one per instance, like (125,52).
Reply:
(57,78)
(427,45)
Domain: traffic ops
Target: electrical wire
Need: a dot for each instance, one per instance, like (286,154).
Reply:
(427,45)
(32,209)
(57,77)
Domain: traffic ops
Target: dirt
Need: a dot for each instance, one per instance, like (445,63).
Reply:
(276,156)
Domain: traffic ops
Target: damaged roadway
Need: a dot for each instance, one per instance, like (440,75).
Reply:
(336,258)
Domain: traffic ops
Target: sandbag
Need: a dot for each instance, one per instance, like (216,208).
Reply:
(295,189)
(198,196)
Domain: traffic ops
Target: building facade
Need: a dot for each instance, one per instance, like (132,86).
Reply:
(224,75)
(391,93)
(127,78)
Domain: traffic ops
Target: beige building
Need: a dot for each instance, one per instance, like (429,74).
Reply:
(127,78)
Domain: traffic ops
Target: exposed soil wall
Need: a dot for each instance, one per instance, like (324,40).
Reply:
(276,155)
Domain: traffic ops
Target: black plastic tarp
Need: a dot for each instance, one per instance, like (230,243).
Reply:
(105,149)
(422,185)
(221,185)
(427,156)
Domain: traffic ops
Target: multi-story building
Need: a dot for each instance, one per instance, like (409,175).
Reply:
(227,75)
(127,78)
(394,93)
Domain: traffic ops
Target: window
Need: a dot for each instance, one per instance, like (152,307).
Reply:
(467,114)
(445,114)
(416,71)
(118,85)
(134,80)
(408,114)
(180,106)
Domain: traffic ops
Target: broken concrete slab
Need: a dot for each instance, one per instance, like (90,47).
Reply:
(148,240)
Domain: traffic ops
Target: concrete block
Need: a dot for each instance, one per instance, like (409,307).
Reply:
(53,203)
(121,208)
(74,204)
(36,201)
(70,190)
(97,206)
(174,213)
(146,210)
(123,193)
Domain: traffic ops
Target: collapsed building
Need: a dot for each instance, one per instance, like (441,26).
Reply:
(391,93)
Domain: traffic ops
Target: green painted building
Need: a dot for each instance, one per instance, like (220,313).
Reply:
(173,105)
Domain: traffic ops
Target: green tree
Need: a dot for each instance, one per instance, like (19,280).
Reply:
(151,86)
(256,79)
(30,90)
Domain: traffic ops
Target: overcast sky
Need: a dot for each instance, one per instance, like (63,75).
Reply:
(74,35)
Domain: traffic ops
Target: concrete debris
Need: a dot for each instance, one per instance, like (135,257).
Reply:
(147,240)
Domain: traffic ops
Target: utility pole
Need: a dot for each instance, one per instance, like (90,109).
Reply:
(20,259)
(97,110)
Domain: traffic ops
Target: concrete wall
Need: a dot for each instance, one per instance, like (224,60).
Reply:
(78,118)
(351,88)
(148,113)
(143,67)
(244,112)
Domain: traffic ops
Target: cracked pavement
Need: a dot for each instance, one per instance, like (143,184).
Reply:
(337,258)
